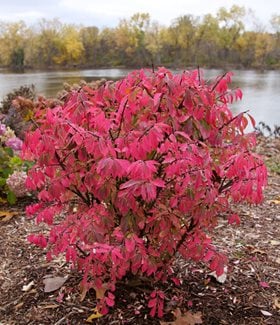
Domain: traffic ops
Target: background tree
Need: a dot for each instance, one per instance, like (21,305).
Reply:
(208,41)
(12,44)
(70,46)
(48,42)
(207,44)
(90,41)
(275,55)
(130,38)
(231,27)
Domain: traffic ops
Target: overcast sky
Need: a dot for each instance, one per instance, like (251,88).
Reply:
(103,13)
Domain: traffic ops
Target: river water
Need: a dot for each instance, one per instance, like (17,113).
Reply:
(261,90)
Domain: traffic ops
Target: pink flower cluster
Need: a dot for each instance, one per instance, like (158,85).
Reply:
(2,128)
(14,143)
(16,183)
(9,139)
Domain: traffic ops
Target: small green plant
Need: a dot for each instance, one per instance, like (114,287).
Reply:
(273,166)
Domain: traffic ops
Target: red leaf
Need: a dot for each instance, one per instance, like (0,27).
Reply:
(110,302)
(157,98)
(253,122)
(234,218)
(264,284)
(130,244)
(152,303)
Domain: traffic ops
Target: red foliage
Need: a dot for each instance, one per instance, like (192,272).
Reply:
(135,171)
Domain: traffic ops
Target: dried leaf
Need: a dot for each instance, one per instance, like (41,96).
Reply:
(276,303)
(18,306)
(275,242)
(53,306)
(188,318)
(84,291)
(100,292)
(259,251)
(266,313)
(96,314)
(52,284)
(274,201)
(27,287)
(221,278)
(7,215)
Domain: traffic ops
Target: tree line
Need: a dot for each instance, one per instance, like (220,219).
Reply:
(210,41)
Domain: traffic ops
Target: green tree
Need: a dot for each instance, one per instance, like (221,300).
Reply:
(231,27)
(107,51)
(154,42)
(130,39)
(263,48)
(48,42)
(181,38)
(207,44)
(275,24)
(12,44)
(70,46)
(245,46)
(90,40)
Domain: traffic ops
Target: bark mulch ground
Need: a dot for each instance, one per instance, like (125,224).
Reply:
(250,294)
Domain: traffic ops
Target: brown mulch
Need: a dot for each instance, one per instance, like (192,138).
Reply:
(250,294)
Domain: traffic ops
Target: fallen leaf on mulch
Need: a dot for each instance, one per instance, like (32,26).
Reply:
(27,287)
(52,284)
(266,313)
(276,303)
(221,278)
(275,242)
(7,215)
(84,291)
(93,316)
(274,201)
(258,251)
(264,284)
(53,306)
(188,318)
(100,292)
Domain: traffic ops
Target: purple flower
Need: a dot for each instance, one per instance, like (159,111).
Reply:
(14,143)
(2,128)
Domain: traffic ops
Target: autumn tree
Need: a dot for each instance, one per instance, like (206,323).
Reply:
(90,40)
(231,26)
(275,24)
(107,48)
(70,46)
(130,39)
(207,45)
(212,40)
(48,42)
(12,44)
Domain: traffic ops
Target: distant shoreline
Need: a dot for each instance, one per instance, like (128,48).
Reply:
(224,67)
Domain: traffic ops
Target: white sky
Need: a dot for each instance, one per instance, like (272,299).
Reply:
(103,13)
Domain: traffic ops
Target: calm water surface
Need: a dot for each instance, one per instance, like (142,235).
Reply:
(261,90)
